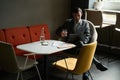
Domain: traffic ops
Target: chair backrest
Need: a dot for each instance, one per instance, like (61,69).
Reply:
(95,16)
(93,32)
(85,58)
(117,20)
(115,40)
(7,58)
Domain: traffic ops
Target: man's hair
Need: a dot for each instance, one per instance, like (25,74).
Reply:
(76,10)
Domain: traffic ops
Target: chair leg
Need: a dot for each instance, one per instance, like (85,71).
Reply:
(67,69)
(73,77)
(18,75)
(90,75)
(21,75)
(67,76)
(38,72)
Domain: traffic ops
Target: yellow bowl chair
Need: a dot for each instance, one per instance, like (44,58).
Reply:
(78,65)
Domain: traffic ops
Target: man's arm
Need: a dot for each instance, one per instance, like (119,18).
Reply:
(87,34)
(63,27)
(59,30)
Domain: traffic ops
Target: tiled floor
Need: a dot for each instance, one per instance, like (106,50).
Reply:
(113,72)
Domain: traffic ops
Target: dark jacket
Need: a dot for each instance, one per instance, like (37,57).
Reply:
(83,31)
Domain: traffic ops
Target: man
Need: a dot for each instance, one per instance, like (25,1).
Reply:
(79,28)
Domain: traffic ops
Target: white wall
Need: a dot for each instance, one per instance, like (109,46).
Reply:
(16,13)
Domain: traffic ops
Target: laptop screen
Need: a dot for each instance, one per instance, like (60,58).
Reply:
(73,38)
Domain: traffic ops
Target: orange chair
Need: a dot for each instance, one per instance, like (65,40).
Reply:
(16,36)
(35,32)
(2,35)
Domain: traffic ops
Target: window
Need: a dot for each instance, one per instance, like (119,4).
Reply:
(112,0)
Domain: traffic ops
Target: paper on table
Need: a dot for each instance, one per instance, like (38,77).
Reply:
(62,44)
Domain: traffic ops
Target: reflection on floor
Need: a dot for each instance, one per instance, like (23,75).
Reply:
(113,73)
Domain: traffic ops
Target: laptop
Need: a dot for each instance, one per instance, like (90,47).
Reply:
(73,38)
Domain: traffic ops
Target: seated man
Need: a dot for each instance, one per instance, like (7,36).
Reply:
(79,28)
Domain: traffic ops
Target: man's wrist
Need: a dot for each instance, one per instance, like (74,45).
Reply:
(81,42)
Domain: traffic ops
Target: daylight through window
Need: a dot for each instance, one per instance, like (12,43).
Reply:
(112,0)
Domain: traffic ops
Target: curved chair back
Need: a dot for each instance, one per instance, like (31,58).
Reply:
(7,58)
(94,16)
(85,58)
(118,20)
(116,33)
(93,32)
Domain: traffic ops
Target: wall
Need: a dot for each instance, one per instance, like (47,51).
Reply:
(15,13)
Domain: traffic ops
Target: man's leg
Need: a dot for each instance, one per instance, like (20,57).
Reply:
(75,51)
(85,76)
(99,65)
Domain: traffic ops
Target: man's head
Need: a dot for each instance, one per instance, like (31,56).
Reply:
(77,13)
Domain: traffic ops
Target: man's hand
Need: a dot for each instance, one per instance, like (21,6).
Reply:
(64,33)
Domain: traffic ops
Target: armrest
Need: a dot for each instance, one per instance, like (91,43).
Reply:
(27,58)
(117,29)
(29,54)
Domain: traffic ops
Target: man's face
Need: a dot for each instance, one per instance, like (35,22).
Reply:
(77,16)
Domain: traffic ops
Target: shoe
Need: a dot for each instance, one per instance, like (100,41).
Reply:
(101,67)
(85,76)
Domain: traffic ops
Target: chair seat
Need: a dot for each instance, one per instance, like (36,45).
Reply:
(21,62)
(61,64)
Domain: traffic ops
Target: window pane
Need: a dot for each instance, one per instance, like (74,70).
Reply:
(112,0)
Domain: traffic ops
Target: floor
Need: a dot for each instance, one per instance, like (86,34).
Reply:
(113,72)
